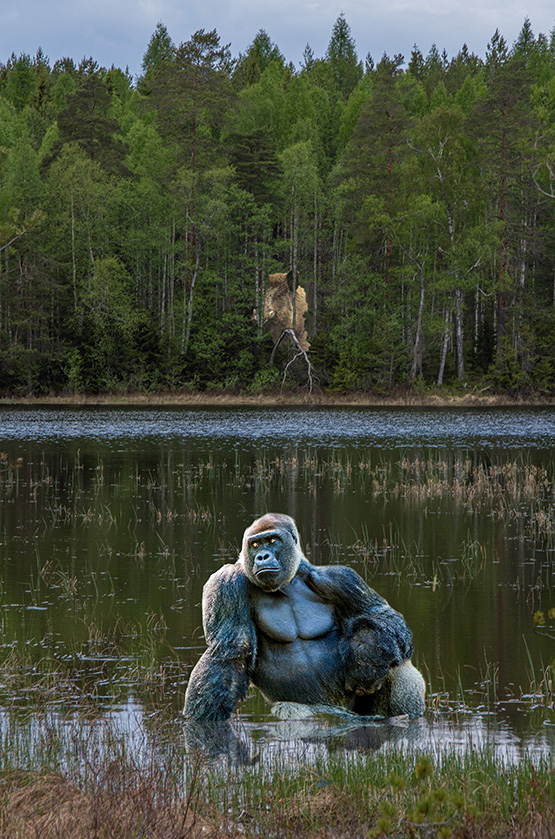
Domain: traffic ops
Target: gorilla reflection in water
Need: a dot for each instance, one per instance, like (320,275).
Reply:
(315,636)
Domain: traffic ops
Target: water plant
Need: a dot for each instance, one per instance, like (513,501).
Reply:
(84,778)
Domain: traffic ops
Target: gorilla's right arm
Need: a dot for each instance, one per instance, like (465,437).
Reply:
(221,677)
(375,637)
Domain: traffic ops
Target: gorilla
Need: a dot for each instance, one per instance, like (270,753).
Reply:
(315,636)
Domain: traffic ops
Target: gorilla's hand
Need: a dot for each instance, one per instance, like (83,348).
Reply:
(378,641)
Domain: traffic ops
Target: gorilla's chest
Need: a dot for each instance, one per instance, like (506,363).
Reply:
(291,614)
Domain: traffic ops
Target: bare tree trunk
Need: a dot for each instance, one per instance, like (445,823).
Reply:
(188,310)
(502,257)
(315,268)
(476,319)
(258,301)
(459,333)
(294,257)
(417,352)
(171,283)
(163,296)
(443,350)
(458,300)
(73,261)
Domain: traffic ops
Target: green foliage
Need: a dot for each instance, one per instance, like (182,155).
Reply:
(190,94)
(139,224)
(261,105)
(223,357)
(342,58)
(21,84)
(160,50)
(256,164)
(430,813)
(259,55)
(74,371)
(86,121)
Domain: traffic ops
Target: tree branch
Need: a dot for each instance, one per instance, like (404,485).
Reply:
(35,219)
(300,353)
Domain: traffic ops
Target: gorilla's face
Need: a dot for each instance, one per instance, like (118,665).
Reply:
(271,553)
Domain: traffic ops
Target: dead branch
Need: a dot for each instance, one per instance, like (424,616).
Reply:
(300,353)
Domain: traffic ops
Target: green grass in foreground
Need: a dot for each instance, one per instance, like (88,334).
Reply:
(80,779)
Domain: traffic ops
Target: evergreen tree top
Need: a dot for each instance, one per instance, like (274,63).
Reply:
(160,49)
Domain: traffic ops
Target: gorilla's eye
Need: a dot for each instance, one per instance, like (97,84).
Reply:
(272,539)
(255,544)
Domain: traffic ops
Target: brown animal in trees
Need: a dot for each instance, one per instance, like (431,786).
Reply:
(278,308)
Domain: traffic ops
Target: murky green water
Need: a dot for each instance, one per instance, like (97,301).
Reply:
(111,520)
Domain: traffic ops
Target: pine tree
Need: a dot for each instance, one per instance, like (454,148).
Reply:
(86,121)
(525,42)
(256,164)
(21,83)
(500,121)
(416,63)
(191,94)
(160,50)
(370,164)
(308,60)
(342,57)
(259,55)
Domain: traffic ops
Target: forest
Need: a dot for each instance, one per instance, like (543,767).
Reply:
(413,198)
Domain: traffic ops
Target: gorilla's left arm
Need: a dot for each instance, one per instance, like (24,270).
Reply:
(221,677)
(366,619)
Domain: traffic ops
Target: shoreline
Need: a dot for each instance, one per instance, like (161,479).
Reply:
(225,400)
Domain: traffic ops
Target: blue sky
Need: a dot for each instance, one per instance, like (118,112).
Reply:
(117,31)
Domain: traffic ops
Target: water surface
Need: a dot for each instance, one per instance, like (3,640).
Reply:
(111,520)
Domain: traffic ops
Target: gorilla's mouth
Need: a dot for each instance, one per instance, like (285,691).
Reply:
(268,579)
(266,566)
(267,573)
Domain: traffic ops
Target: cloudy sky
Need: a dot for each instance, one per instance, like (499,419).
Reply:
(117,31)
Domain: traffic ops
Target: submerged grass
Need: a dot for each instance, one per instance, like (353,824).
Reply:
(103,667)
(463,478)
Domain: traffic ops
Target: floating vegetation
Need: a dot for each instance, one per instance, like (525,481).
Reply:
(101,667)
(394,555)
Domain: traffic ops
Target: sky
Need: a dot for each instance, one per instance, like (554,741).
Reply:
(118,31)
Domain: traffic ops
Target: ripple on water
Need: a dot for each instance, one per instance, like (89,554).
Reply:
(460,427)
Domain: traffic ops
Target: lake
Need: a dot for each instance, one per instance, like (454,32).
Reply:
(112,519)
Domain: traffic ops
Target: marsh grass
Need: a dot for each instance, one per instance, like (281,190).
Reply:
(80,778)
(407,559)
(103,667)
(72,769)
(512,491)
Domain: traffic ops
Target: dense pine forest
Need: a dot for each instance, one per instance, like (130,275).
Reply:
(413,198)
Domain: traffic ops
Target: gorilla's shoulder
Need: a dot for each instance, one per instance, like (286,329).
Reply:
(225,600)
(341,585)
(229,581)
